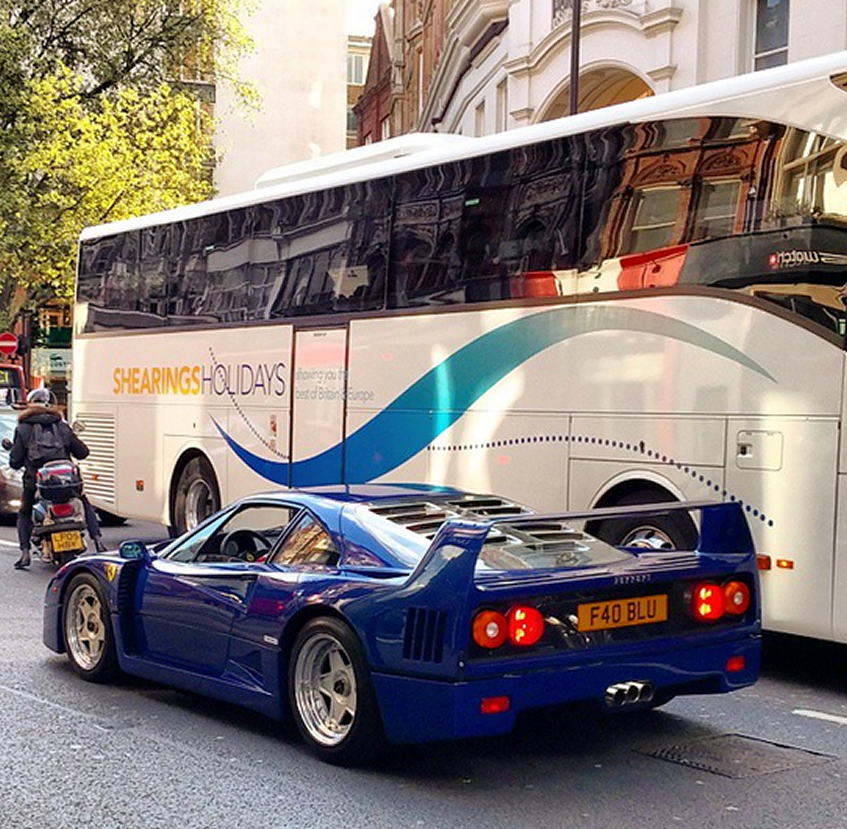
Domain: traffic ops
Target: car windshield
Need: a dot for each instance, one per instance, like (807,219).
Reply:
(245,533)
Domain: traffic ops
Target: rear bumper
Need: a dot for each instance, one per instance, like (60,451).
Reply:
(421,710)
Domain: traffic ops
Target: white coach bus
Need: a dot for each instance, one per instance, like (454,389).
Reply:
(639,303)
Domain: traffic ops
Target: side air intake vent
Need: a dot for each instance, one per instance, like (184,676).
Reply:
(423,640)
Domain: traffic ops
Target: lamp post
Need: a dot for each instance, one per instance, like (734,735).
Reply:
(576,12)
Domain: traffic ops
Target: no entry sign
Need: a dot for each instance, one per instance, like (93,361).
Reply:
(8,343)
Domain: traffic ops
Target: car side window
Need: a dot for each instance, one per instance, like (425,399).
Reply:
(244,535)
(308,543)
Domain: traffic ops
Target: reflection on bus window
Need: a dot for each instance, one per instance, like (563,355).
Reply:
(724,202)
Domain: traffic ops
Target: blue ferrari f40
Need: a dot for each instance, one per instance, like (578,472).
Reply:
(408,614)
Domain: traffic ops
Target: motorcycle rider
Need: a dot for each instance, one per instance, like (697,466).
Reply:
(38,410)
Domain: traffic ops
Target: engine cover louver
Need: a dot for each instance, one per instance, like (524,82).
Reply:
(423,639)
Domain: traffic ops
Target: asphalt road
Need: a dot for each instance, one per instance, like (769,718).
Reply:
(134,754)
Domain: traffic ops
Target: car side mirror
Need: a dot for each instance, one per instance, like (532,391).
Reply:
(131,550)
(6,444)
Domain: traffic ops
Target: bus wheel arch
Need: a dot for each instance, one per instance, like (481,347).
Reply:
(195,493)
(675,531)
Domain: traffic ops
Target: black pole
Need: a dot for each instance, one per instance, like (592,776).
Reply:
(576,11)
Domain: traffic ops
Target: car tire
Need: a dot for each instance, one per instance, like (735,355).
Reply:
(675,531)
(331,696)
(197,495)
(87,630)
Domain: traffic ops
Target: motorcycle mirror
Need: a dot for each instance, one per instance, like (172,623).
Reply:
(78,426)
(6,444)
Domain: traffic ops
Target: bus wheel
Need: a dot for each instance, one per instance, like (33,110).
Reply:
(675,531)
(197,495)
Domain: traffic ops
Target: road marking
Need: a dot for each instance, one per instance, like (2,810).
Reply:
(820,715)
(8,544)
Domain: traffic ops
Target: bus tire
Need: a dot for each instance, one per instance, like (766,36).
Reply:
(675,531)
(197,495)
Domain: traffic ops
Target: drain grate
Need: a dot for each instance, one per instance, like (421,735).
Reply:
(736,756)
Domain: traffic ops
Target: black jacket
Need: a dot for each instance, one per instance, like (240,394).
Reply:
(23,432)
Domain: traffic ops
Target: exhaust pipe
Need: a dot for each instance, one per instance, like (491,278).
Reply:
(629,693)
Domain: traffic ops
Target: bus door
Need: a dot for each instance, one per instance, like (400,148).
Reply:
(318,406)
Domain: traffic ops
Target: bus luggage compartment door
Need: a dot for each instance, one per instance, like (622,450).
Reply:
(783,470)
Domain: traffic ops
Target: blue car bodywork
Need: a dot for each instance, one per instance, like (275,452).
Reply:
(407,571)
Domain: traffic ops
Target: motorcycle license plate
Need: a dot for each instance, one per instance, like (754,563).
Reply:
(67,541)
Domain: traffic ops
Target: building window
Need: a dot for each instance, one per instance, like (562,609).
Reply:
(771,48)
(352,122)
(420,82)
(384,129)
(502,109)
(357,68)
(479,119)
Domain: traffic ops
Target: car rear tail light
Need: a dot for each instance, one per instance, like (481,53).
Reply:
(526,625)
(62,510)
(737,595)
(708,602)
(490,629)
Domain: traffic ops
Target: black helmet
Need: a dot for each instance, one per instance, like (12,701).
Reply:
(38,397)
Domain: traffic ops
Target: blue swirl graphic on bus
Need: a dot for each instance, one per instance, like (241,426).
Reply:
(442,396)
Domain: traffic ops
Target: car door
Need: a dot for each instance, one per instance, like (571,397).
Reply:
(307,551)
(189,598)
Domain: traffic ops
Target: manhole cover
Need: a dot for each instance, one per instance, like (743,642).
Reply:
(733,755)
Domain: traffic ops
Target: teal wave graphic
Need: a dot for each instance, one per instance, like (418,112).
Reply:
(438,399)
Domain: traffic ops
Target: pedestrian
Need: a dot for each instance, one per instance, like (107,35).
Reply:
(28,453)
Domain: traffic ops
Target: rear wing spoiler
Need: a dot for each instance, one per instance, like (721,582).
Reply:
(451,559)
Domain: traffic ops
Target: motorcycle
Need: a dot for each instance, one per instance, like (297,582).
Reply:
(58,516)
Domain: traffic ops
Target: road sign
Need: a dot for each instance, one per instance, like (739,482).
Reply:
(8,343)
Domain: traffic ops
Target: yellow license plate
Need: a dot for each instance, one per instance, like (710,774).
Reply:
(621,613)
(67,541)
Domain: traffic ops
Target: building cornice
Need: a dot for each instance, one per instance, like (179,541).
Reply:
(469,19)
(662,73)
(660,21)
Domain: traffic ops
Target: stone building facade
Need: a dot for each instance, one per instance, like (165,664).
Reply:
(299,69)
(482,66)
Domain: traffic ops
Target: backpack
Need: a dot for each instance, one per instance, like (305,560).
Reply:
(45,444)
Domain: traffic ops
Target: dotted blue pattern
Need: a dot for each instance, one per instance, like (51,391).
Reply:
(635,448)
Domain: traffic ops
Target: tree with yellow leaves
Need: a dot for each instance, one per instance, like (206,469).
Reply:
(97,124)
